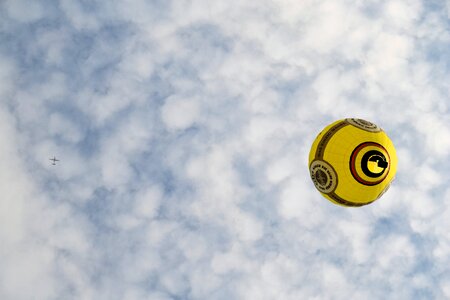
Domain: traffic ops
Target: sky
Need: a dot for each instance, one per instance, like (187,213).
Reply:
(183,130)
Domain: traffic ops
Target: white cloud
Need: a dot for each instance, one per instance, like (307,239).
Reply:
(147,202)
(448,9)
(402,14)
(28,232)
(232,260)
(297,203)
(280,169)
(396,253)
(67,130)
(445,286)
(14,192)
(25,11)
(183,131)
(388,57)
(179,113)
(358,233)
(28,267)
(53,43)
(330,26)
(82,18)
(435,130)
(139,63)
(334,280)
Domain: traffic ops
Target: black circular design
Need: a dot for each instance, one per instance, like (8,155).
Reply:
(378,158)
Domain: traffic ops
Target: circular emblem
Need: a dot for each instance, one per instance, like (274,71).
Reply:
(324,176)
(364,125)
(369,163)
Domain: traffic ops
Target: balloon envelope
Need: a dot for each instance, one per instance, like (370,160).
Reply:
(352,162)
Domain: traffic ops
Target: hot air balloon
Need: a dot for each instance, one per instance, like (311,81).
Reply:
(352,162)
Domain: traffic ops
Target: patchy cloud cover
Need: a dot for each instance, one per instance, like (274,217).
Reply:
(183,129)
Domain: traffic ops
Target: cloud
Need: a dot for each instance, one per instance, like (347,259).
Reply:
(32,233)
(25,11)
(183,131)
(180,114)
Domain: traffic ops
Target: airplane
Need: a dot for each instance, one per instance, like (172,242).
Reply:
(54,160)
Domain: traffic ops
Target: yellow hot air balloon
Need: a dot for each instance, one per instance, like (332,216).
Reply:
(352,162)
